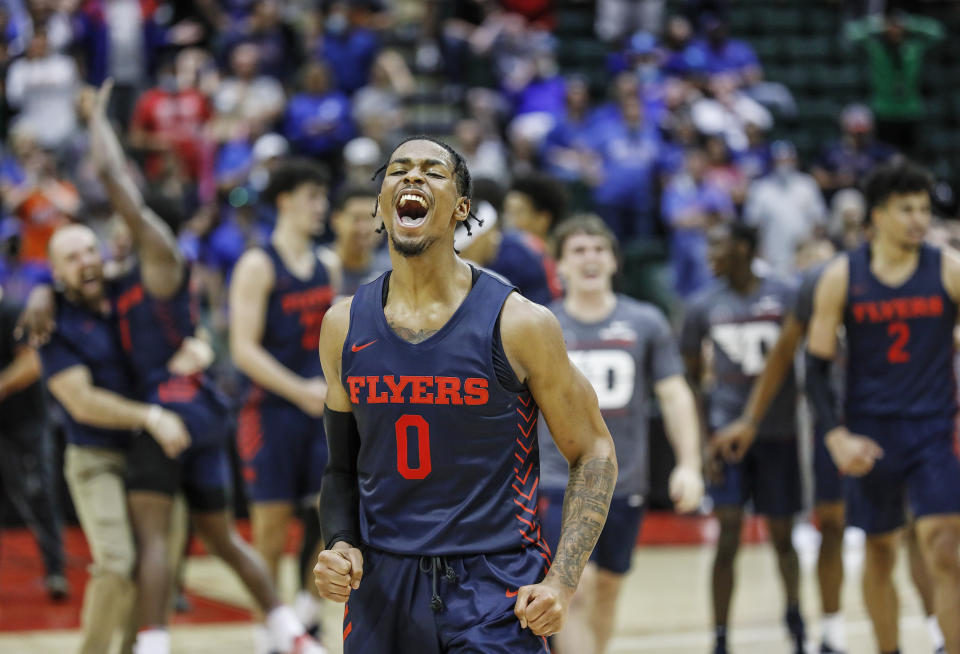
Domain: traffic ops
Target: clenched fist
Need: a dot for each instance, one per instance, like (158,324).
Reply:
(542,607)
(338,571)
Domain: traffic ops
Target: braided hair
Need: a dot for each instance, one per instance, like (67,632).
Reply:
(461,175)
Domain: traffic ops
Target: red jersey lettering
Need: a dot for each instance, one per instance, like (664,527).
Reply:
(448,391)
(897,309)
(355,384)
(475,391)
(395,388)
(372,397)
(419,386)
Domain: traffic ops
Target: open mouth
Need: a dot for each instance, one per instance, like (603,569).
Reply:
(411,209)
(90,278)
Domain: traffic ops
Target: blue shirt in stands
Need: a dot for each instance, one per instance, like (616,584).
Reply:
(734,56)
(318,124)
(350,56)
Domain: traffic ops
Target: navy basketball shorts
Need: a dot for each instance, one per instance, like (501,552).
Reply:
(919,465)
(768,476)
(614,550)
(442,605)
(827,481)
(283,451)
(202,471)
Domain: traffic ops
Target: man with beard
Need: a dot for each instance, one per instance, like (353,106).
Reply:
(87,373)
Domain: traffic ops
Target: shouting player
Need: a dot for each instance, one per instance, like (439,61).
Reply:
(437,372)
(739,318)
(897,301)
(278,297)
(623,347)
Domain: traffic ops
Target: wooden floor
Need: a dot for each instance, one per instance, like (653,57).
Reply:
(665,607)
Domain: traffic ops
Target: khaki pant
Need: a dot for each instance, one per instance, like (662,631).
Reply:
(95,479)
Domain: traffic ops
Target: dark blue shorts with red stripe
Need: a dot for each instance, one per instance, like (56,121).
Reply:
(442,605)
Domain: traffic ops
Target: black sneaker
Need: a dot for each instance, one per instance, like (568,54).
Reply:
(58,588)
(826,649)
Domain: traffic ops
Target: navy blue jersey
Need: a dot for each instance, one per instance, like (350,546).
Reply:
(295,308)
(151,330)
(900,341)
(523,260)
(448,462)
(85,338)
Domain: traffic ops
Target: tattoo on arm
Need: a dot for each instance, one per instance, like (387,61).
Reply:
(412,335)
(585,507)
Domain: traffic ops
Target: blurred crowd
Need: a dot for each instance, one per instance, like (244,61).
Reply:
(210,94)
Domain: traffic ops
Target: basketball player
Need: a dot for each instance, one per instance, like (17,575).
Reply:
(733,441)
(897,300)
(623,347)
(436,372)
(154,315)
(738,319)
(86,372)
(278,296)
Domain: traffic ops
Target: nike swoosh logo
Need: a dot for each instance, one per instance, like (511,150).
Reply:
(513,594)
(357,348)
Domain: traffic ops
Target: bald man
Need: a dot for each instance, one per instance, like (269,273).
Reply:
(85,370)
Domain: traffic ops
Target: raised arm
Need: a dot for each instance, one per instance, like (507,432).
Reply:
(162,265)
(90,405)
(533,341)
(339,567)
(253,279)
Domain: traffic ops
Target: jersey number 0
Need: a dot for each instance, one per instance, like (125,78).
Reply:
(402,427)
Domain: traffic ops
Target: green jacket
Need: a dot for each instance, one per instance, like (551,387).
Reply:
(895,74)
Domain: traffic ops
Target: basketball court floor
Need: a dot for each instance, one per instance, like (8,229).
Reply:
(665,608)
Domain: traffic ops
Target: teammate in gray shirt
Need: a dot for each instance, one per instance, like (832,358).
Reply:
(731,326)
(623,347)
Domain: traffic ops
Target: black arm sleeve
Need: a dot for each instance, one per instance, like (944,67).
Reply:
(820,393)
(339,494)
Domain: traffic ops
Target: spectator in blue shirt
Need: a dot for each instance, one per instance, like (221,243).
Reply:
(718,53)
(628,151)
(691,205)
(318,122)
(564,149)
(348,48)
